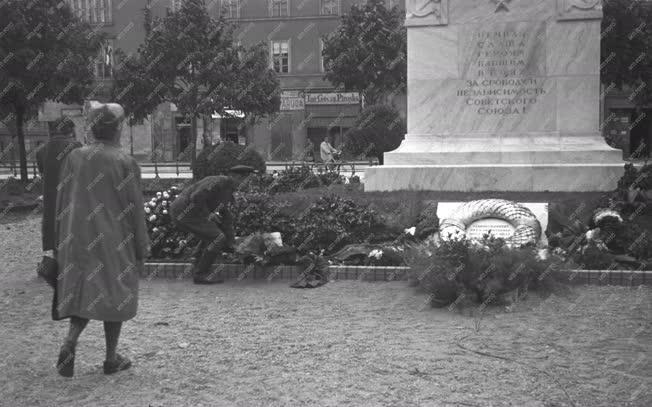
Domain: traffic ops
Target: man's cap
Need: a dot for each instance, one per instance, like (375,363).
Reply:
(242,169)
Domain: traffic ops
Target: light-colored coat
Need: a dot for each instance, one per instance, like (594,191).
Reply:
(101,234)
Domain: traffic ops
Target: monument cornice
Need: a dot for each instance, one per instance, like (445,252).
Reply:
(579,10)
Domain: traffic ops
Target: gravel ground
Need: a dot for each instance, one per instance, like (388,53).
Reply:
(348,343)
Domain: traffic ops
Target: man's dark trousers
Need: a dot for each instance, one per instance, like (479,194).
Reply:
(212,244)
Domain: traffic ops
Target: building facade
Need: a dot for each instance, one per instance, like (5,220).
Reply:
(292,30)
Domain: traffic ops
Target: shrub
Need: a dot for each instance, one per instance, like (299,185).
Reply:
(628,177)
(639,242)
(333,222)
(257,183)
(151,186)
(433,268)
(294,179)
(645,181)
(379,129)
(257,213)
(330,178)
(217,159)
(354,179)
(633,178)
(456,267)
(592,257)
(427,222)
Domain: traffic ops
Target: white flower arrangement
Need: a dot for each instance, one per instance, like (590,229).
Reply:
(607,213)
(159,194)
(376,253)
(166,195)
(543,254)
(410,231)
(152,218)
(593,234)
(165,211)
(147,210)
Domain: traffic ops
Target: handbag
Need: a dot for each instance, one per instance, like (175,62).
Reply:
(48,270)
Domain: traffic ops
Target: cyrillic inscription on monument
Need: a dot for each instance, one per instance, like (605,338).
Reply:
(503,68)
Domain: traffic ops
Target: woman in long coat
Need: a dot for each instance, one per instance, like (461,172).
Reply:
(102,238)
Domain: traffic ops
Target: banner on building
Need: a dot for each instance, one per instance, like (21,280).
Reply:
(293,103)
(335,98)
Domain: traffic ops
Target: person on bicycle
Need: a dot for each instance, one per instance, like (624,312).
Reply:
(329,154)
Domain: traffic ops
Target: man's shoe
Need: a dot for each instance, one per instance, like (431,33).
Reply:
(66,362)
(113,366)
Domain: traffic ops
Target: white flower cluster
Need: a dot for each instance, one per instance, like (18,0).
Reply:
(162,199)
(376,253)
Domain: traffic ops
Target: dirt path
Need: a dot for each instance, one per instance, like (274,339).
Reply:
(346,344)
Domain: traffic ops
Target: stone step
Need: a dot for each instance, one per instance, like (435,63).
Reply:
(576,177)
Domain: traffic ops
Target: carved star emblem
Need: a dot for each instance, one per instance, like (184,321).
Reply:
(501,5)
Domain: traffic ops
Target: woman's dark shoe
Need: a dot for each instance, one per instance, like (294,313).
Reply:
(113,366)
(66,362)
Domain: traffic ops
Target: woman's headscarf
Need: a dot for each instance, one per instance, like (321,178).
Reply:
(106,121)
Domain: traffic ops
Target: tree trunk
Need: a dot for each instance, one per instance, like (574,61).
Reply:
(380,159)
(20,120)
(193,131)
(206,131)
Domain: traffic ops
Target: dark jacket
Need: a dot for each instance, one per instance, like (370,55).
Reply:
(49,160)
(195,204)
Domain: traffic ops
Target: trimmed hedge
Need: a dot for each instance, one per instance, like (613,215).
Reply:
(217,159)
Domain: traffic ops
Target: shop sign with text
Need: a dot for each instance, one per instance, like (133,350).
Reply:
(339,98)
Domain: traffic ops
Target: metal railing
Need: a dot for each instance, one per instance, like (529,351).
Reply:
(179,168)
(321,167)
(12,167)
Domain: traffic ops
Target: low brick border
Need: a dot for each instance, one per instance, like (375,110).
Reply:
(181,270)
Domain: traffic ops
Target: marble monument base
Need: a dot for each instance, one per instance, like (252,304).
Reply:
(567,177)
(534,162)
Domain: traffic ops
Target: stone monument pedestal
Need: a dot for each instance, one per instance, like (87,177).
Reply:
(502,96)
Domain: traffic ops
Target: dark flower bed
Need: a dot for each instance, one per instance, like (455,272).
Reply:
(326,226)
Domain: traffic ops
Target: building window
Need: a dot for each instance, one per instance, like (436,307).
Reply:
(281,56)
(92,11)
(231,129)
(231,8)
(279,8)
(175,5)
(104,62)
(330,7)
